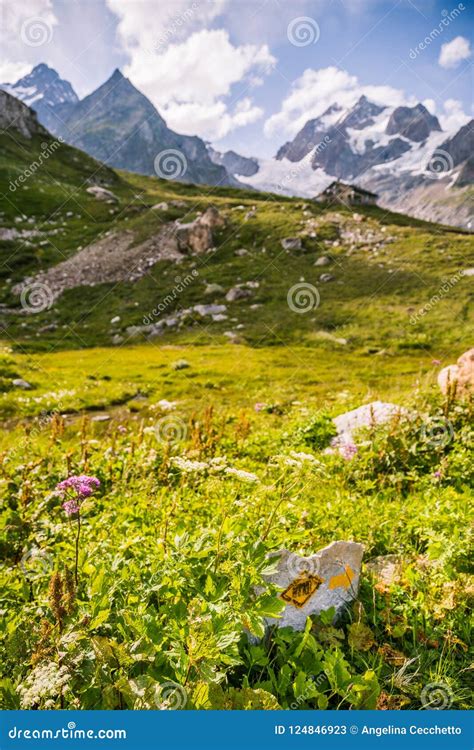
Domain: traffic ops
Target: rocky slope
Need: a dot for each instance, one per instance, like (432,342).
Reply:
(14,114)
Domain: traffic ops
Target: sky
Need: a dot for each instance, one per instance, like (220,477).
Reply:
(247,74)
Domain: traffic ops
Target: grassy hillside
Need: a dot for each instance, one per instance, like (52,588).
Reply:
(380,279)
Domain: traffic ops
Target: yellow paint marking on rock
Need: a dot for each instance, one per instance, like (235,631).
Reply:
(301,589)
(342,580)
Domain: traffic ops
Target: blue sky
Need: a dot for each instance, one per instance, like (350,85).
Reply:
(246,74)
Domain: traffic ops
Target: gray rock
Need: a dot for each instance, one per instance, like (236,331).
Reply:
(101,418)
(368,415)
(214,289)
(160,206)
(468,272)
(20,383)
(325,277)
(329,578)
(237,293)
(101,194)
(323,261)
(291,243)
(209,309)
(241,252)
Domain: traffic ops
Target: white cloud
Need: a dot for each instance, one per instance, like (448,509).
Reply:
(188,71)
(10,72)
(316,90)
(454,52)
(454,116)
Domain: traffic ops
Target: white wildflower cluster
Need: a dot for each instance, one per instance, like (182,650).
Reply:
(297,459)
(44,682)
(243,476)
(217,465)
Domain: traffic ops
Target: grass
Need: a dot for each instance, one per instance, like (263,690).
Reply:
(172,546)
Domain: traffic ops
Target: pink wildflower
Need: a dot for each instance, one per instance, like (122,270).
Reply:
(348,450)
(71,507)
(82,485)
(259,406)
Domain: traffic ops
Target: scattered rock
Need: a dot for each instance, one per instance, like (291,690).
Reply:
(214,289)
(180,364)
(160,207)
(101,194)
(115,320)
(468,272)
(209,309)
(20,383)
(101,418)
(291,243)
(241,252)
(217,318)
(459,377)
(311,585)
(323,261)
(212,218)
(178,204)
(325,277)
(237,293)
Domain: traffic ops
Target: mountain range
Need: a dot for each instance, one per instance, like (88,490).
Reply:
(401,153)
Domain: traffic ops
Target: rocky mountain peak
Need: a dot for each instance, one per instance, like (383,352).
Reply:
(414,123)
(14,114)
(362,114)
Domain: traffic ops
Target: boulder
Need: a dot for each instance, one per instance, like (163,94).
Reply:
(212,218)
(194,237)
(209,309)
(214,289)
(311,585)
(369,415)
(323,261)
(237,293)
(20,383)
(101,194)
(460,375)
(291,243)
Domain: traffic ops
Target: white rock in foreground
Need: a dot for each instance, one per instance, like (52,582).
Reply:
(369,415)
(310,585)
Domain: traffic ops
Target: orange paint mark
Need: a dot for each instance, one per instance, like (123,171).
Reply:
(343,580)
